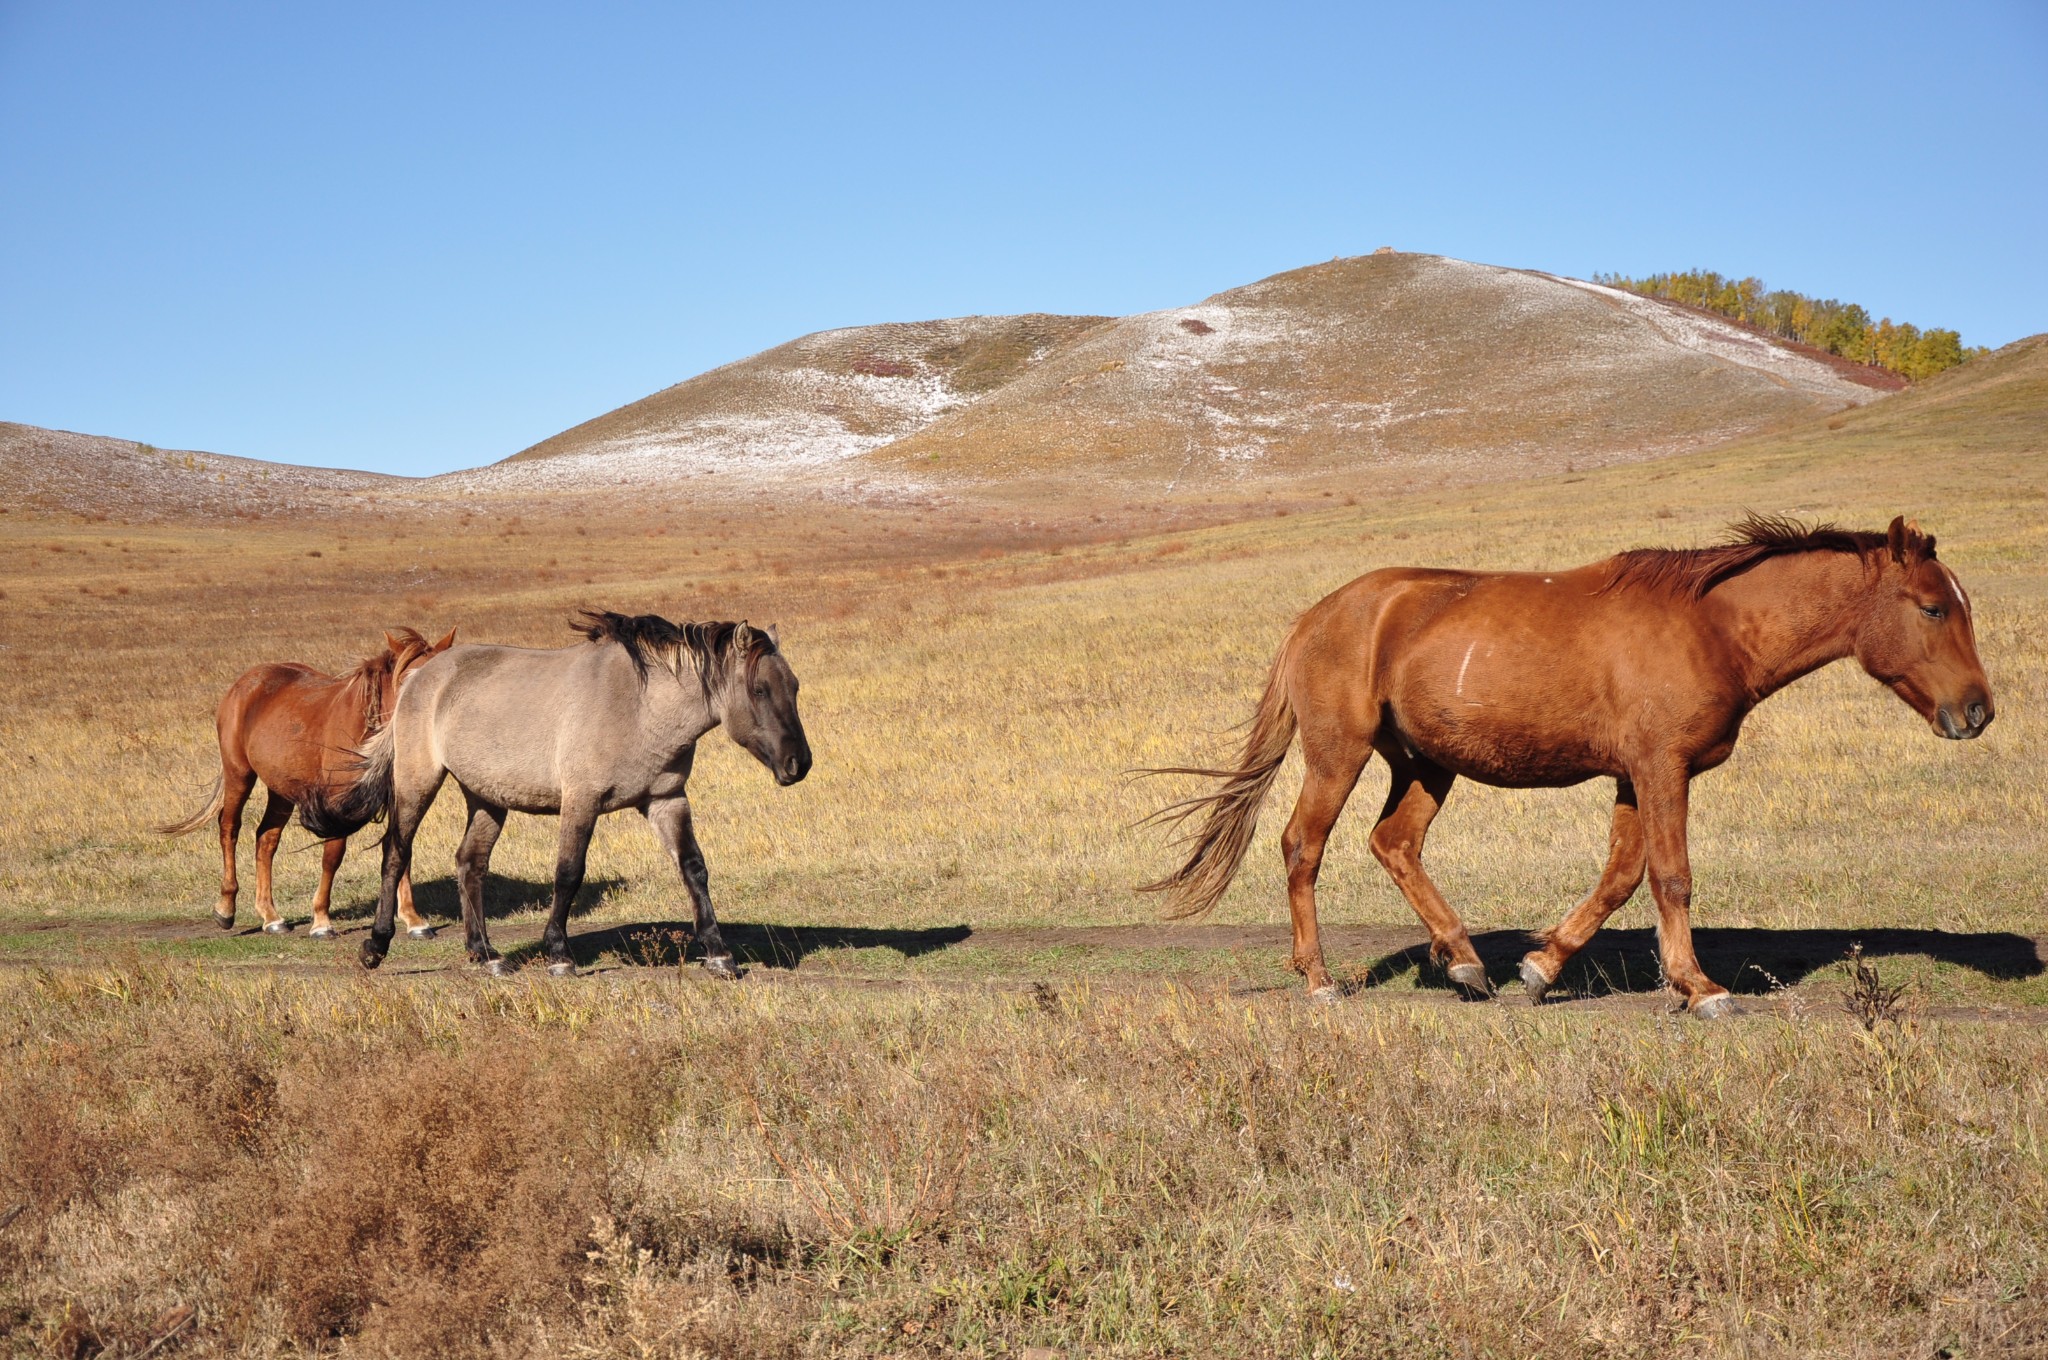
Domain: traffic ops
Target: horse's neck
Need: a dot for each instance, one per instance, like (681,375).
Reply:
(1791,615)
(680,708)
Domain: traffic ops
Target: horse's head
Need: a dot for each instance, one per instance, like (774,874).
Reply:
(1918,640)
(404,652)
(757,704)
(409,650)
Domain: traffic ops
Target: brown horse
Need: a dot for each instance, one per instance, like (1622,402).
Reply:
(297,729)
(1640,668)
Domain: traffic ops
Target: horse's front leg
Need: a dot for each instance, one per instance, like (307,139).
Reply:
(1663,803)
(670,818)
(578,820)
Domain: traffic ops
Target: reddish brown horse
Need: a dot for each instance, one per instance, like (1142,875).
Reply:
(297,730)
(1640,668)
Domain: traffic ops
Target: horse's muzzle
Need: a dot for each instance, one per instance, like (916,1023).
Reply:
(1976,715)
(793,768)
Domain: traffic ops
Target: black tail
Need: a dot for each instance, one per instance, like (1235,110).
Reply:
(333,811)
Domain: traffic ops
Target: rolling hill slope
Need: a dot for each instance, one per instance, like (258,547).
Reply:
(1412,364)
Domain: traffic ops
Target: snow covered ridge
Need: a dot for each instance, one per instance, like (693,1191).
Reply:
(1725,340)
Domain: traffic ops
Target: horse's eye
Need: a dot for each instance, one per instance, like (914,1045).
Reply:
(1933,611)
(760,691)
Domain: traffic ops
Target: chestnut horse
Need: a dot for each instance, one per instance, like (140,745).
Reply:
(296,729)
(1640,668)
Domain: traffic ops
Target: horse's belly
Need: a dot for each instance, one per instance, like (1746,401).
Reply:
(1513,750)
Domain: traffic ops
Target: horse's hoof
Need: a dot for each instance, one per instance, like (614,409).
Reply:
(372,957)
(1716,1007)
(562,969)
(1471,977)
(277,927)
(320,933)
(420,933)
(1329,994)
(1533,981)
(497,968)
(721,966)
(224,922)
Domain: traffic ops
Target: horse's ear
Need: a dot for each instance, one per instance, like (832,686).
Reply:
(444,644)
(742,636)
(774,636)
(1908,545)
(394,644)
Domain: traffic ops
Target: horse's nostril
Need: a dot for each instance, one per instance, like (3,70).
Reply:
(1976,715)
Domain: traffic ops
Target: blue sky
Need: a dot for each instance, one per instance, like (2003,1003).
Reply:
(421,237)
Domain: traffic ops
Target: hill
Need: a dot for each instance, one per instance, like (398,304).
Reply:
(96,475)
(1411,364)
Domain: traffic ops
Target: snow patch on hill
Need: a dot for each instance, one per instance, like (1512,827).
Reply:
(1727,341)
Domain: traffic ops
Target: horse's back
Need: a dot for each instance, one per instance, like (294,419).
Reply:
(1507,677)
(504,721)
(280,721)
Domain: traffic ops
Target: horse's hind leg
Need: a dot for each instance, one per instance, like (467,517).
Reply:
(578,820)
(235,788)
(670,818)
(276,812)
(1413,800)
(1333,770)
(1618,882)
(323,896)
(472,861)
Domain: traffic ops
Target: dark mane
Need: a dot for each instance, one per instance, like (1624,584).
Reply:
(708,647)
(1693,572)
(372,670)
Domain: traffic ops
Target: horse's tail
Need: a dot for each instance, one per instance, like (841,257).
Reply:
(334,809)
(199,818)
(1231,813)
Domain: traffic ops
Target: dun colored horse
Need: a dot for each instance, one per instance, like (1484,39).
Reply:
(1640,668)
(608,724)
(296,729)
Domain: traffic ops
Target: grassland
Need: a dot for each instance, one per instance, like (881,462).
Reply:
(933,1153)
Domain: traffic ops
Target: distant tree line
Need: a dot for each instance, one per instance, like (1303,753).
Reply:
(1841,328)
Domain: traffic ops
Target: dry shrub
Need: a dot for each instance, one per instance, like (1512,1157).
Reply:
(438,1193)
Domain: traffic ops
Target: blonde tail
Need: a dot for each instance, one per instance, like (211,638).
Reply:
(1231,813)
(199,818)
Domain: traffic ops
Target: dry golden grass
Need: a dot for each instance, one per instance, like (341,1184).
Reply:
(642,1168)
(902,1167)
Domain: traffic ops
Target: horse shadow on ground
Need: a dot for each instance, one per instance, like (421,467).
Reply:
(1747,961)
(438,901)
(650,944)
(671,944)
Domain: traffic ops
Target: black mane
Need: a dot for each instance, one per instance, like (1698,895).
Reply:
(708,645)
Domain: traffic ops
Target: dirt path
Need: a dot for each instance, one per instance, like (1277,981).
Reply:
(1618,971)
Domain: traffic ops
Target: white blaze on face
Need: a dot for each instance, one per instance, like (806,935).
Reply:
(1955,584)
